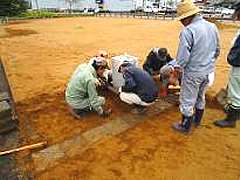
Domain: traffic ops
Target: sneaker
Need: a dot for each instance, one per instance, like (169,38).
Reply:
(138,111)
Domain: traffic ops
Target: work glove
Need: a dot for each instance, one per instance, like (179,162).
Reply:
(163,92)
(210,79)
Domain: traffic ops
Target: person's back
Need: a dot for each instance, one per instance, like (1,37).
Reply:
(77,89)
(81,94)
(140,82)
(156,58)
(201,38)
(198,48)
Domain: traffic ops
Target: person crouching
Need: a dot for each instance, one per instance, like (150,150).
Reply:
(139,88)
(81,94)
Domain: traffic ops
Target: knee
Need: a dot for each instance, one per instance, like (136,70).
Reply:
(125,98)
(102,100)
(186,110)
(200,104)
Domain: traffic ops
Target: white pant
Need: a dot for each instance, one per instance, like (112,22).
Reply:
(132,98)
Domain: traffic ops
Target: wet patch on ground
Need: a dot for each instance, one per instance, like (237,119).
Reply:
(9,32)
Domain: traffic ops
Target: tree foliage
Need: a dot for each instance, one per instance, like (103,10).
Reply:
(13,7)
(71,3)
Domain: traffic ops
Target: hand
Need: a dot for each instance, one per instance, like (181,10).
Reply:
(177,71)
(106,114)
(173,80)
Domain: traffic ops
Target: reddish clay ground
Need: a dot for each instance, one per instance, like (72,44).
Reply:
(41,55)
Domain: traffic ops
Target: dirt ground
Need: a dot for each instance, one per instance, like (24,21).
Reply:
(41,55)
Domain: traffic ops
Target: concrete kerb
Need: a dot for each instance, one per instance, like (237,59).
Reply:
(50,156)
(4,96)
(5,110)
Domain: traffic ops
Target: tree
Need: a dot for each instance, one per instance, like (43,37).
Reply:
(170,3)
(13,7)
(71,2)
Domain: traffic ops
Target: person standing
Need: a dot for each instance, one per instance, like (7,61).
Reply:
(233,58)
(197,51)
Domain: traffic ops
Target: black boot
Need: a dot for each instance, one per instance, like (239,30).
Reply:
(185,125)
(80,113)
(198,117)
(230,120)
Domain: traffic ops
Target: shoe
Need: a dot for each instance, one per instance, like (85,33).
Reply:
(225,123)
(230,120)
(139,110)
(80,113)
(183,126)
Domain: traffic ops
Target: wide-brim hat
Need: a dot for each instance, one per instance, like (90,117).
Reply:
(186,8)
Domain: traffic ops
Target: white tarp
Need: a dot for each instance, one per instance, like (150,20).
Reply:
(117,77)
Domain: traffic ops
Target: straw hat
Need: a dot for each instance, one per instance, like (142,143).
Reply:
(185,9)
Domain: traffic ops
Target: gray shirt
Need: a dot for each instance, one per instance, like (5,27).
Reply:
(198,47)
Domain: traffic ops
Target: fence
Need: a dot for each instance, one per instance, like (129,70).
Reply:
(162,15)
(135,15)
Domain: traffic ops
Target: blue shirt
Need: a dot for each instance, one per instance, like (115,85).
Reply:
(198,47)
(141,83)
(234,53)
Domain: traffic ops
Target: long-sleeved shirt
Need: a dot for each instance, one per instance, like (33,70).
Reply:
(198,47)
(141,83)
(82,86)
(155,62)
(234,53)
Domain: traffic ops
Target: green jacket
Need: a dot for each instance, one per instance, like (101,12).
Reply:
(81,87)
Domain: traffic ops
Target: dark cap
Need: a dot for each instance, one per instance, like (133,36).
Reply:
(162,52)
(124,64)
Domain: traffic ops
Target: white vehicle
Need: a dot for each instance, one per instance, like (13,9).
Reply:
(151,6)
(96,10)
(208,10)
(150,9)
(226,11)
